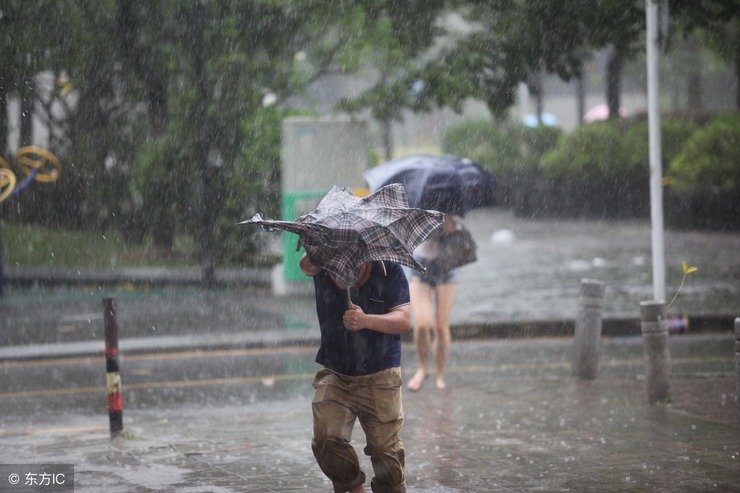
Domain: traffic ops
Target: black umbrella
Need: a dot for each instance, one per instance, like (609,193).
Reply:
(440,182)
(346,231)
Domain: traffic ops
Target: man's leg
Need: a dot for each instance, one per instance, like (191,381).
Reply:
(333,421)
(381,417)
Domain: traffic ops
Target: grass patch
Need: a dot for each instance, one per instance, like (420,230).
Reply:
(33,246)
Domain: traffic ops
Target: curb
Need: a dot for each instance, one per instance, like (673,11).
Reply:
(145,276)
(611,327)
(262,339)
(281,338)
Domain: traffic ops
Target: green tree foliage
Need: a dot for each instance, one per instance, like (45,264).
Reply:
(127,133)
(513,42)
(121,107)
(24,51)
(507,42)
(717,23)
(395,37)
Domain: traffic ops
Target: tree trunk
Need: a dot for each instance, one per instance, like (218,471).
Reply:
(26,117)
(4,127)
(534,85)
(581,98)
(694,83)
(141,58)
(539,97)
(737,76)
(387,139)
(614,81)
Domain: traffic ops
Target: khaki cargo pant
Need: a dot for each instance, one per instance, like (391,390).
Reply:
(376,401)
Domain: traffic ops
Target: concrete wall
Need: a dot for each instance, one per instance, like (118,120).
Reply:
(320,153)
(317,154)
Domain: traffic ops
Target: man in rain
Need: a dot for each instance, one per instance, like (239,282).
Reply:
(360,353)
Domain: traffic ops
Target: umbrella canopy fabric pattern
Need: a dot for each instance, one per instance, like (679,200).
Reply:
(442,182)
(345,231)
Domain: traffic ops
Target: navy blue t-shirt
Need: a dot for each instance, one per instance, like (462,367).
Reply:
(364,351)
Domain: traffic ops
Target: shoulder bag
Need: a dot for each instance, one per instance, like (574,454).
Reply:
(455,250)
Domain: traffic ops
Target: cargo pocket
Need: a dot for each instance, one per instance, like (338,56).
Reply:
(387,396)
(321,383)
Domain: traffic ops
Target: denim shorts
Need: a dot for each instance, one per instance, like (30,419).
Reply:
(430,276)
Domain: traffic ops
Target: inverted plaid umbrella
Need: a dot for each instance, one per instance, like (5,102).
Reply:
(346,231)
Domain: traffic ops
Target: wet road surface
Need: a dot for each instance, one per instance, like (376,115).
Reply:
(527,271)
(238,419)
(531,269)
(513,419)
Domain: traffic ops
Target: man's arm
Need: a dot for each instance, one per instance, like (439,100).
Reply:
(396,321)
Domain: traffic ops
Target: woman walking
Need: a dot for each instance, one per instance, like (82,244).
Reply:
(432,297)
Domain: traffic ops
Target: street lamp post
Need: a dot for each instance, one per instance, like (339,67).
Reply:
(654,42)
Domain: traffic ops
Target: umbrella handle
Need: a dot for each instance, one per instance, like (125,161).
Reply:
(349,298)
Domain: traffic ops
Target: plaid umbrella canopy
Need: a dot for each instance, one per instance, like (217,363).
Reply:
(346,231)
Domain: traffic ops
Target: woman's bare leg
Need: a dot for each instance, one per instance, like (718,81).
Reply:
(445,298)
(422,309)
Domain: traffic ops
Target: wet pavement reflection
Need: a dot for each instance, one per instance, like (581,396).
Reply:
(512,419)
(217,391)
(531,269)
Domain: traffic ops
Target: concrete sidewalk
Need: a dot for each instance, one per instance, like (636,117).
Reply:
(512,420)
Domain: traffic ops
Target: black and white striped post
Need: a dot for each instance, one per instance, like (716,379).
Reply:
(112,376)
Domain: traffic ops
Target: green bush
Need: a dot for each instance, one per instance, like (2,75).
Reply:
(504,151)
(596,153)
(602,169)
(486,144)
(674,132)
(511,154)
(533,144)
(709,161)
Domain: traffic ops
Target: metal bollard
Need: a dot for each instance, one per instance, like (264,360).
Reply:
(112,376)
(737,366)
(588,330)
(657,350)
